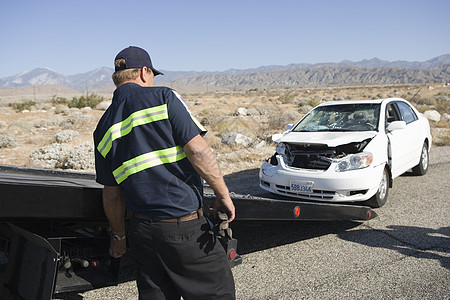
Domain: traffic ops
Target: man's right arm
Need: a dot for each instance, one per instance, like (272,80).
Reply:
(204,162)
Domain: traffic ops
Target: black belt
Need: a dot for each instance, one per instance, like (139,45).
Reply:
(191,216)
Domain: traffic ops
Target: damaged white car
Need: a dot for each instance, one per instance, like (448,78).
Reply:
(348,151)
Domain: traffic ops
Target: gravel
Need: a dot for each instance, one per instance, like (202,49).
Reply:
(404,253)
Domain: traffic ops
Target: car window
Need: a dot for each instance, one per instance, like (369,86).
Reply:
(406,112)
(392,113)
(341,117)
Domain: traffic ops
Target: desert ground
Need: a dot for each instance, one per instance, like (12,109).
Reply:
(26,136)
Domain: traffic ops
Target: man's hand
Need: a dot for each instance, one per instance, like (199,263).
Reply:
(225,204)
(117,248)
(114,206)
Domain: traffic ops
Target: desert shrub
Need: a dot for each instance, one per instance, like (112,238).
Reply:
(80,158)
(287,98)
(442,105)
(59,100)
(48,122)
(424,101)
(313,103)
(214,142)
(77,121)
(234,125)
(24,125)
(7,141)
(279,121)
(91,101)
(65,136)
(50,156)
(18,107)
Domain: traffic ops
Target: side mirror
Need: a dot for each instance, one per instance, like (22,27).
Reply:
(396,125)
(289,126)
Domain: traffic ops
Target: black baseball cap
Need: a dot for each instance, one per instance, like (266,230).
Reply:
(136,57)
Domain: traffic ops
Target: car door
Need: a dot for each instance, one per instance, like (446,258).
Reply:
(401,141)
(415,134)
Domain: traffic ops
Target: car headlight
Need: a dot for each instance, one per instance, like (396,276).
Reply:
(354,162)
(268,169)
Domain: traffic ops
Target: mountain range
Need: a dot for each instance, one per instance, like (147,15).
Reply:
(366,72)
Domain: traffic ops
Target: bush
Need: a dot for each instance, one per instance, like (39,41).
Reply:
(286,98)
(7,141)
(18,107)
(91,101)
(59,100)
(313,103)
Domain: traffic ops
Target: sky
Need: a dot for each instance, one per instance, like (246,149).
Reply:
(72,37)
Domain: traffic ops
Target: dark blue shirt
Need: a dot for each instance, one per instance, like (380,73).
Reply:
(139,145)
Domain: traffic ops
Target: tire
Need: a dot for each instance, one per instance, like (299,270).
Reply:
(422,167)
(380,197)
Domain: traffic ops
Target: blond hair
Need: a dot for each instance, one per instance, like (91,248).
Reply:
(121,76)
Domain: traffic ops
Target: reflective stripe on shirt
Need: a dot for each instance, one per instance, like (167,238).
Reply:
(148,160)
(189,111)
(124,127)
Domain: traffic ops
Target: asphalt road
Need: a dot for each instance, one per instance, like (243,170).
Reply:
(404,253)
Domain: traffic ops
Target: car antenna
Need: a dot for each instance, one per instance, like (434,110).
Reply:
(415,94)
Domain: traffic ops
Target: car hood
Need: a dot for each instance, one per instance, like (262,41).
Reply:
(331,139)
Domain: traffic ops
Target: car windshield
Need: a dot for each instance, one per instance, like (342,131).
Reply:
(341,117)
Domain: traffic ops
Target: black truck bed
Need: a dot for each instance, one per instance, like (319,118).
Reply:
(29,193)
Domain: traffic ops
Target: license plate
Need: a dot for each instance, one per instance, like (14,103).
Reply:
(302,186)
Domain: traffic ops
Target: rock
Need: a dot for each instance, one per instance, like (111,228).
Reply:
(103,105)
(260,144)
(241,111)
(3,124)
(61,108)
(432,115)
(253,112)
(85,109)
(445,117)
(236,138)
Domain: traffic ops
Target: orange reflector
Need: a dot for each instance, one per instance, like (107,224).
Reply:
(370,214)
(94,263)
(296,211)
(231,255)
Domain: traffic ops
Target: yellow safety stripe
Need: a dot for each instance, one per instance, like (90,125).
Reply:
(148,160)
(124,127)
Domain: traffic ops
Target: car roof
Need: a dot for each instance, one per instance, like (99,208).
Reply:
(374,101)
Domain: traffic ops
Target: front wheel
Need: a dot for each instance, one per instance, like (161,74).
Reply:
(379,199)
(422,167)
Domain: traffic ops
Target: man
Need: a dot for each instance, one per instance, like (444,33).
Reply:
(150,156)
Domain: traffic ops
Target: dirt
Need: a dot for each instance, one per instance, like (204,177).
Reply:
(269,112)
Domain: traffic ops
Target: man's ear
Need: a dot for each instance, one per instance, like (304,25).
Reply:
(143,74)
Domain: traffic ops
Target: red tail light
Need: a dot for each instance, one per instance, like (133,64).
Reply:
(296,211)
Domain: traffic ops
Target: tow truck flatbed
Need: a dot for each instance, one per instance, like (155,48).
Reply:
(28,193)
(54,235)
